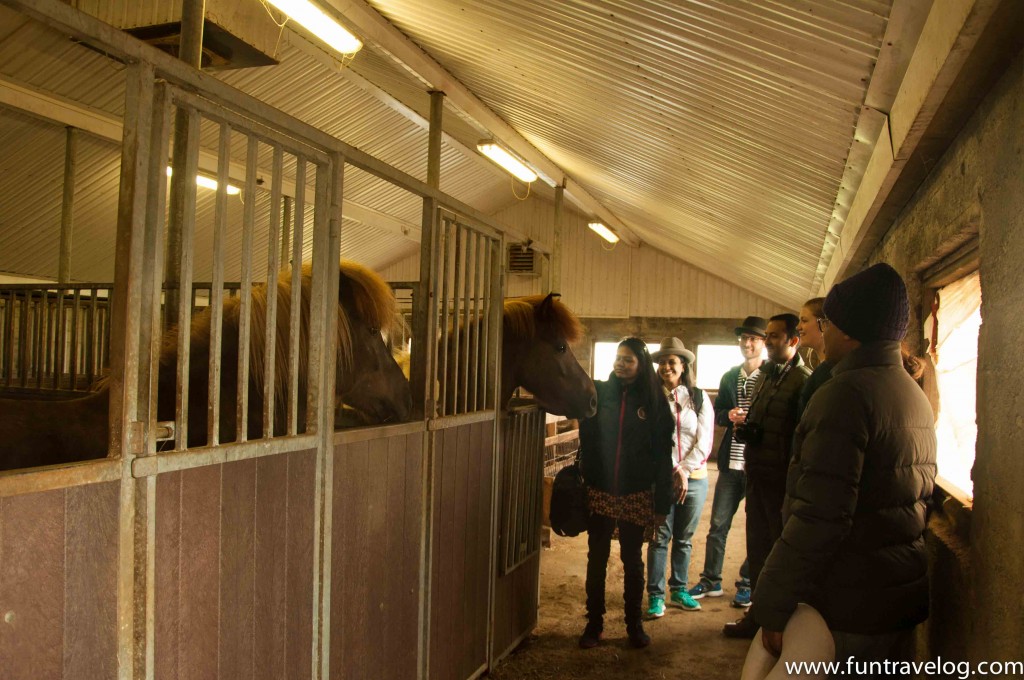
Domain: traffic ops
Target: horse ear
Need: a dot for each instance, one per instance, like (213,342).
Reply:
(545,310)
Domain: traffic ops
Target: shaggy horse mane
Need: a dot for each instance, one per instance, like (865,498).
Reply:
(373,302)
(521,321)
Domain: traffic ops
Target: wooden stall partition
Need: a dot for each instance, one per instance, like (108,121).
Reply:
(234,569)
(58,576)
(517,563)
(376,566)
(461,539)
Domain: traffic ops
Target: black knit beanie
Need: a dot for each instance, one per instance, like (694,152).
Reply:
(871,305)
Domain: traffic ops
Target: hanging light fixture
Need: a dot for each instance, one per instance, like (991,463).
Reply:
(506,160)
(320,24)
(604,232)
(209,183)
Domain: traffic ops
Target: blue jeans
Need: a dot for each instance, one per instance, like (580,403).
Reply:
(730,489)
(679,528)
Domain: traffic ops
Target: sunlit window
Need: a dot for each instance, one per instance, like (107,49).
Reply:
(956,370)
(604,357)
(714,360)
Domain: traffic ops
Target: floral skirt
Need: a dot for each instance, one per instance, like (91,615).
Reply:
(635,508)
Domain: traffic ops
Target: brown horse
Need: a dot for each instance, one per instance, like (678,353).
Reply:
(369,382)
(537,331)
(536,335)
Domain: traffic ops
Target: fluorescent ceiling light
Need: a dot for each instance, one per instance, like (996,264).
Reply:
(605,233)
(207,183)
(317,22)
(507,161)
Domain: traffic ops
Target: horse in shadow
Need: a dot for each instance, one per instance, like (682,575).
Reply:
(35,432)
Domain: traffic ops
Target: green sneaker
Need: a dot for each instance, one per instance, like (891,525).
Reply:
(681,598)
(656,607)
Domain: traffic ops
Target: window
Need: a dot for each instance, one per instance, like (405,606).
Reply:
(604,357)
(956,368)
(714,360)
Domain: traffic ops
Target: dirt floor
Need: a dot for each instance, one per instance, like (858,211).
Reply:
(685,644)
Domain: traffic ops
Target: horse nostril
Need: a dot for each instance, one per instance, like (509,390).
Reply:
(593,402)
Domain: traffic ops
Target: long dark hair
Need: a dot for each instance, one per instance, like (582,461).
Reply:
(648,384)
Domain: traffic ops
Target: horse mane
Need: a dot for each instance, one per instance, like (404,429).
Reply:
(521,318)
(373,302)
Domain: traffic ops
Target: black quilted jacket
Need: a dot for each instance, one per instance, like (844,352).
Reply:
(863,468)
(642,458)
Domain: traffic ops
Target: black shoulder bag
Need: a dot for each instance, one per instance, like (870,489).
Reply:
(569,511)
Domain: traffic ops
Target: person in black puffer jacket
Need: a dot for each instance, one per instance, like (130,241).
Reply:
(863,469)
(626,459)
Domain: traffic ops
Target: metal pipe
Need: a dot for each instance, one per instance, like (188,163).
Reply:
(67,218)
(555,261)
(434,139)
(190,51)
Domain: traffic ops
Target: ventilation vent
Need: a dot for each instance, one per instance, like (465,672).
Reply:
(521,259)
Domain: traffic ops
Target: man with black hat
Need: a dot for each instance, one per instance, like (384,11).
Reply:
(863,469)
(768,433)
(734,393)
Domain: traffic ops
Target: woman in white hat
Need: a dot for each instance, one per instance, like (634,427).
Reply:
(694,419)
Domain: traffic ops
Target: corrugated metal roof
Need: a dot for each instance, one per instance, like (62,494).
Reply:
(718,130)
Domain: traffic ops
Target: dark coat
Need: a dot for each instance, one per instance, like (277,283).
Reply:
(852,545)
(642,457)
(774,407)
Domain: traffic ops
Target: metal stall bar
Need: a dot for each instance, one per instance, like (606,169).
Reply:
(8,338)
(479,389)
(452,376)
(245,291)
(124,376)
(467,323)
(23,359)
(441,379)
(183,221)
(76,302)
(323,327)
(59,341)
(273,267)
(298,205)
(217,286)
(90,337)
(150,332)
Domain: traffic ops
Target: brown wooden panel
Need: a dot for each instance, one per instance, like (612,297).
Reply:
(270,571)
(90,604)
(167,646)
(237,578)
(349,571)
(461,534)
(375,568)
(408,635)
(300,540)
(32,586)
(188,594)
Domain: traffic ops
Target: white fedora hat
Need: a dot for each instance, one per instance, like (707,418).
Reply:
(806,638)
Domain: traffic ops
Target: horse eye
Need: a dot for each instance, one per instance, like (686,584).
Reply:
(374,330)
(561,348)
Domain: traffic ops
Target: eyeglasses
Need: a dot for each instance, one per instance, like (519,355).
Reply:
(743,339)
(822,323)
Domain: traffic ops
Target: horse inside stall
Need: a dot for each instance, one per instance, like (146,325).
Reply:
(36,432)
(537,331)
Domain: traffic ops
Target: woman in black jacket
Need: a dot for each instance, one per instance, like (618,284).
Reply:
(626,456)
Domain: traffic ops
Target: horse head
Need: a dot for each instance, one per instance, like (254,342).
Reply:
(369,382)
(536,354)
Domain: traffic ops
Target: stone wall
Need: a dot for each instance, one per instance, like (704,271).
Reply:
(977,186)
